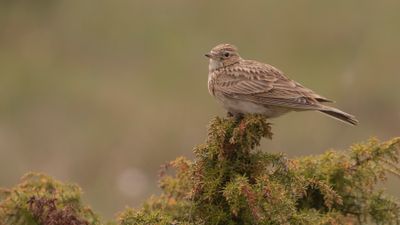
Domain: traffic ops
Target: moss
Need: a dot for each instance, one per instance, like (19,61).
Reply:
(231,181)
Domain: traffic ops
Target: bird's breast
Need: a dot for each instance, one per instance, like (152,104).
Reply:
(211,83)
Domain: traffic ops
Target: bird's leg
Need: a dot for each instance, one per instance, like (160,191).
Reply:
(237,116)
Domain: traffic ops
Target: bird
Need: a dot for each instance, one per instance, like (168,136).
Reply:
(251,87)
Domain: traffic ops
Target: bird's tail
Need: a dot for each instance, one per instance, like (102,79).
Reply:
(339,115)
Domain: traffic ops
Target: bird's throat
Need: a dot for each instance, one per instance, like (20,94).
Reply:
(214,64)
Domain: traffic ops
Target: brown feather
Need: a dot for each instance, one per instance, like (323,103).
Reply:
(248,86)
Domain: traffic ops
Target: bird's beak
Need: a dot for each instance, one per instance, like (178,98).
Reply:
(208,55)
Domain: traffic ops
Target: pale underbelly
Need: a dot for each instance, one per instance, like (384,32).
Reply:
(236,106)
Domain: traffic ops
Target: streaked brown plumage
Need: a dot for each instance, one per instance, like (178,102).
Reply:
(247,86)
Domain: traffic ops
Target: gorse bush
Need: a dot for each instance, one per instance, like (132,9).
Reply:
(231,181)
(41,200)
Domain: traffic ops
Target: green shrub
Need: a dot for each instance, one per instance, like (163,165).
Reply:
(40,200)
(231,181)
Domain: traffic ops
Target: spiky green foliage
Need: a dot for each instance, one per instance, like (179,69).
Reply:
(41,200)
(231,181)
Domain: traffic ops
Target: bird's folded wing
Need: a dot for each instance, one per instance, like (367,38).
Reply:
(265,89)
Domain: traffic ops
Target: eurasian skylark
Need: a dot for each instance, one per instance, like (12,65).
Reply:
(247,86)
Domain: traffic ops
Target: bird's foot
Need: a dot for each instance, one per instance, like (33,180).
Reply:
(236,116)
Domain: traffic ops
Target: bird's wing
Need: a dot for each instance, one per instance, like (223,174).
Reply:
(264,84)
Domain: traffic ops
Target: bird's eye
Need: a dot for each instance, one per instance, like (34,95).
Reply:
(226,54)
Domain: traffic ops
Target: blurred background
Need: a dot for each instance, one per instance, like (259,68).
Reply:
(101,93)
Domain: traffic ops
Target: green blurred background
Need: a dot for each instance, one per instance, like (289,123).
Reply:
(101,93)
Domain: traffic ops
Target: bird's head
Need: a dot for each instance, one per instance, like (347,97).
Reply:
(223,55)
